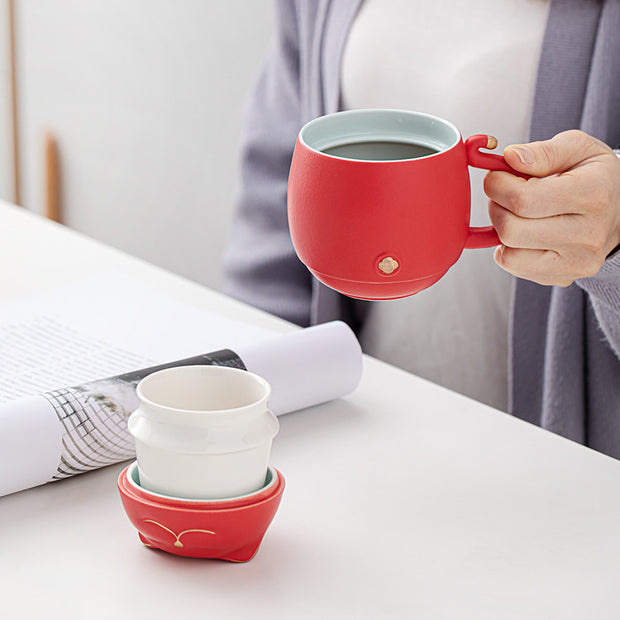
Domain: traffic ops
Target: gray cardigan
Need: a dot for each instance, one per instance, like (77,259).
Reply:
(564,365)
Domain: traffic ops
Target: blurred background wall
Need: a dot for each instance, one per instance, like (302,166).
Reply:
(145,100)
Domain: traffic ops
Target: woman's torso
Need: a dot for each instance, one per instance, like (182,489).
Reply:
(420,56)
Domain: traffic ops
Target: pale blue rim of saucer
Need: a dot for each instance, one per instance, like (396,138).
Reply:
(133,477)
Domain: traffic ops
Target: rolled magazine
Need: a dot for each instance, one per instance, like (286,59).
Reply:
(72,430)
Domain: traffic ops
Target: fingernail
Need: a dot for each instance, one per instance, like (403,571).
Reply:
(525,155)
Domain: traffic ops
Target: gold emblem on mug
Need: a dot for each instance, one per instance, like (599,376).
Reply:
(388,265)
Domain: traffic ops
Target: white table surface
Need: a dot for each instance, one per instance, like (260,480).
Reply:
(403,500)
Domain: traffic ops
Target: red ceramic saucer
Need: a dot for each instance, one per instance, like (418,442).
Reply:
(229,529)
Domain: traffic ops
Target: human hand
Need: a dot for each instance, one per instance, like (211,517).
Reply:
(561,224)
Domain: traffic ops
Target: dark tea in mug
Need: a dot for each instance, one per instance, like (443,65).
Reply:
(379,150)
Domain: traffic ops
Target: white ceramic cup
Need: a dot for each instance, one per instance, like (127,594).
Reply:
(203,432)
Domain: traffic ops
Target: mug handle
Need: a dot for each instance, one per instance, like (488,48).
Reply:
(485,236)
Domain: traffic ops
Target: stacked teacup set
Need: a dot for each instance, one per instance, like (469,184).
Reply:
(378,208)
(202,433)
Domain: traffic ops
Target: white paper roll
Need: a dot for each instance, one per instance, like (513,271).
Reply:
(306,367)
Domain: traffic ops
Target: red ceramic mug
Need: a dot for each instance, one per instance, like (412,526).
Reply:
(379,200)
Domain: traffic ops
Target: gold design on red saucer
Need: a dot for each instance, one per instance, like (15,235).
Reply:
(177,542)
(388,265)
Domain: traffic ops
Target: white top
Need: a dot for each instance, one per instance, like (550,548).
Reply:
(473,64)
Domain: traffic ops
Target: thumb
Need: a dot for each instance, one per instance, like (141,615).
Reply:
(563,152)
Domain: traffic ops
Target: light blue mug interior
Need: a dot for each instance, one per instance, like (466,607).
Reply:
(351,126)
(134,476)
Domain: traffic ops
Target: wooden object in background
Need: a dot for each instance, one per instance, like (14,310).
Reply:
(52,179)
(13,69)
